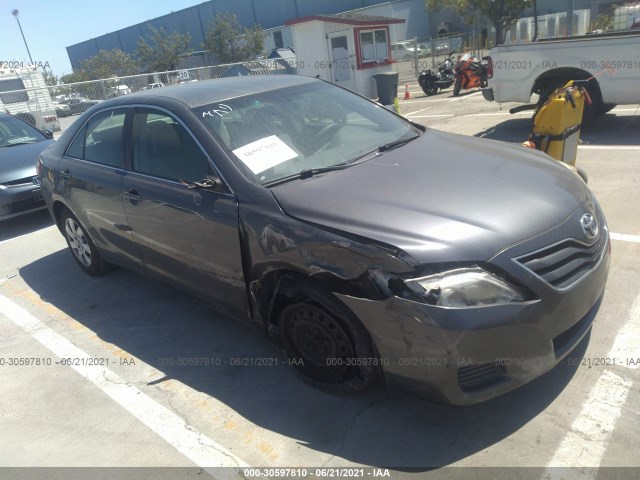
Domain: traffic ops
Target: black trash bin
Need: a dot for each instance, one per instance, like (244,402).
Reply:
(387,84)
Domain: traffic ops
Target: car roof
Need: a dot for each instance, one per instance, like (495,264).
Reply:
(194,94)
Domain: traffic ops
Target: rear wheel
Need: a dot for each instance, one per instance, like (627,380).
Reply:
(81,246)
(590,110)
(327,345)
(429,88)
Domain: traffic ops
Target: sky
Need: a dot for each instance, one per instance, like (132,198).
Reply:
(49,27)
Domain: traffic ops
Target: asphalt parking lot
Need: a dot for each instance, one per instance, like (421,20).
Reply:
(126,372)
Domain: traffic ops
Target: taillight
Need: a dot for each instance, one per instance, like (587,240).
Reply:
(489,66)
(39,166)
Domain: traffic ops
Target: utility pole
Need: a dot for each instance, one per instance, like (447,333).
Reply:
(15,13)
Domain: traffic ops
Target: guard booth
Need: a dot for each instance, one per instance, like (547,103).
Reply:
(346,48)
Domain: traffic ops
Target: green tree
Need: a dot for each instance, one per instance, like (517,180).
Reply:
(230,42)
(77,76)
(501,13)
(604,21)
(162,53)
(49,78)
(107,64)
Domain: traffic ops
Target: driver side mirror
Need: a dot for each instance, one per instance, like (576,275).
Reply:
(210,182)
(48,134)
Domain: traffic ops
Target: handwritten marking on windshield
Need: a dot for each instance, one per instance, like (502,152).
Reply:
(221,110)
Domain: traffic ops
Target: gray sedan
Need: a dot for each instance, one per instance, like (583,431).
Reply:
(370,248)
(20,145)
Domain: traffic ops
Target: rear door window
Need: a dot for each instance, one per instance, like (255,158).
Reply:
(102,139)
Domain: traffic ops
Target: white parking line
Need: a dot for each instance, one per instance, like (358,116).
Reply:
(585,443)
(455,99)
(624,237)
(197,447)
(417,111)
(499,114)
(434,116)
(626,347)
(420,100)
(609,147)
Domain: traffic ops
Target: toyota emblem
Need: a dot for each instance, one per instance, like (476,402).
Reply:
(589,225)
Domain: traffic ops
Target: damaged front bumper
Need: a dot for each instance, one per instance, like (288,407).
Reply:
(469,355)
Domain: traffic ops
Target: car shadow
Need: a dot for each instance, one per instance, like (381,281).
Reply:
(514,130)
(154,322)
(609,129)
(24,224)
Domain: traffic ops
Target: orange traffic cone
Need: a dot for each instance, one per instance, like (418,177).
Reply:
(407,95)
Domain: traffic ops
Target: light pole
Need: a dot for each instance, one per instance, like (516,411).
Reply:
(15,13)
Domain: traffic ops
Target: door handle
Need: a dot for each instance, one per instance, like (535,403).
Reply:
(132,194)
(66,174)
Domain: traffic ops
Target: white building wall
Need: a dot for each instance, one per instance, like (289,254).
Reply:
(311,49)
(313,57)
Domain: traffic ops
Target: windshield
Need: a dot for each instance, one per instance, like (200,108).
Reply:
(277,134)
(14,131)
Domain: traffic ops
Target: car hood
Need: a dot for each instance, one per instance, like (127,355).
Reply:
(442,197)
(20,161)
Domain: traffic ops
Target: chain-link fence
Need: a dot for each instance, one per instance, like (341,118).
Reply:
(23,91)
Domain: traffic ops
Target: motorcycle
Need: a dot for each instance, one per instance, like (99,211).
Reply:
(470,72)
(442,77)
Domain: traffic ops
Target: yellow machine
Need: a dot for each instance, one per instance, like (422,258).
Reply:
(556,124)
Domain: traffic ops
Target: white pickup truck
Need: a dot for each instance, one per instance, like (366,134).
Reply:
(611,60)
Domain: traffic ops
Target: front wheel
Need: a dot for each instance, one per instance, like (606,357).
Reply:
(81,246)
(457,86)
(327,345)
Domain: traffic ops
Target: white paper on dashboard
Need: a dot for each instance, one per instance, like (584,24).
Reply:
(265,153)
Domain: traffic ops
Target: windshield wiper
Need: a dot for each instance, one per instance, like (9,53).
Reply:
(396,143)
(308,173)
(15,144)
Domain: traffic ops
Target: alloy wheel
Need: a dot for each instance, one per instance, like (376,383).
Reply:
(78,242)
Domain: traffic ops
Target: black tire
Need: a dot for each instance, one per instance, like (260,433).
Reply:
(590,111)
(429,89)
(457,86)
(81,246)
(326,344)
(606,108)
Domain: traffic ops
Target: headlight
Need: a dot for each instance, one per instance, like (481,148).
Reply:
(466,287)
